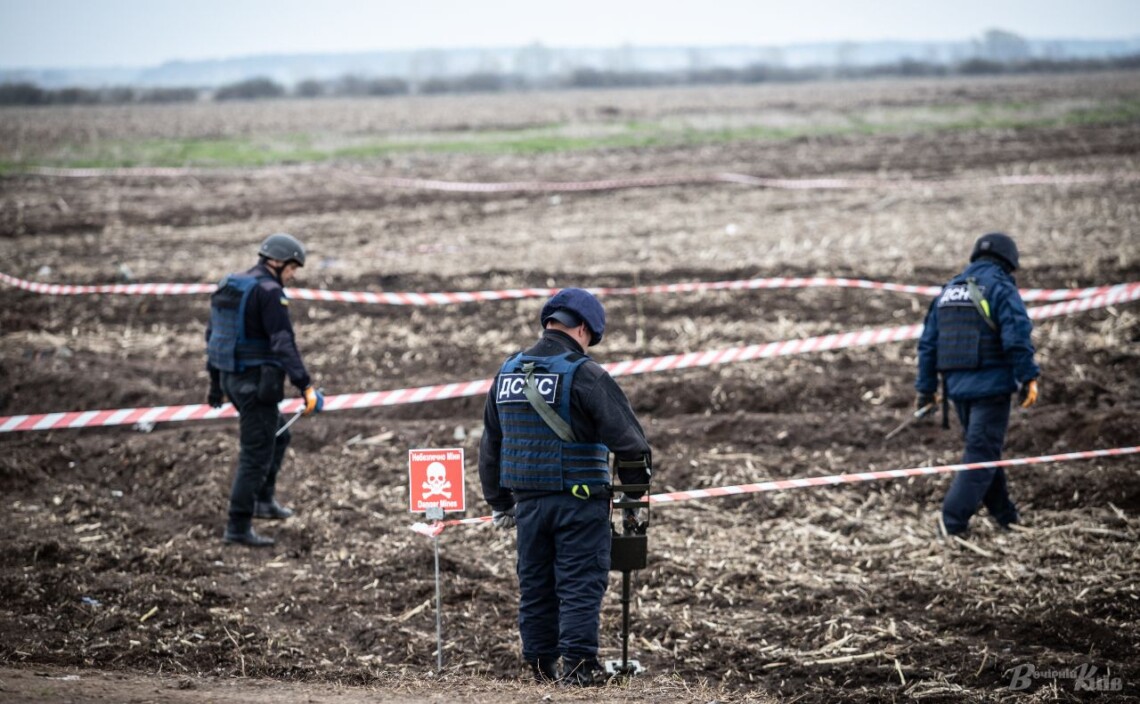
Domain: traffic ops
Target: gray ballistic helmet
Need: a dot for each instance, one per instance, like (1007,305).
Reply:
(283,248)
(996,244)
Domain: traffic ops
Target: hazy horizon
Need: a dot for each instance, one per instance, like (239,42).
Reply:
(48,34)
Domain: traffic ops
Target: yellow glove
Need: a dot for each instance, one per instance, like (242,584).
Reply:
(1027,395)
(314,400)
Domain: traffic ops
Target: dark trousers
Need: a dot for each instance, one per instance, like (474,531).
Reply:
(259,459)
(563,569)
(984,423)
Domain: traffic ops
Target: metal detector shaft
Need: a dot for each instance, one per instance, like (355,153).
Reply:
(629,552)
(625,601)
(300,412)
(920,413)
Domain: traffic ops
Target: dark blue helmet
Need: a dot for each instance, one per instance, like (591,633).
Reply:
(574,306)
(996,244)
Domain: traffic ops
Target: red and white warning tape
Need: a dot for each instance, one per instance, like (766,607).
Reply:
(168,289)
(434,529)
(780,282)
(596,185)
(800,483)
(742,179)
(843,340)
(372,399)
(409,298)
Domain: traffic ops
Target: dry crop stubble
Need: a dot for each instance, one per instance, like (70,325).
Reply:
(807,594)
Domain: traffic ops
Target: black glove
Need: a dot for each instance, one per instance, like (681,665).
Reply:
(215,397)
(923,400)
(503,519)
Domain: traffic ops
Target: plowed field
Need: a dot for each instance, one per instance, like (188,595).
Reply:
(110,553)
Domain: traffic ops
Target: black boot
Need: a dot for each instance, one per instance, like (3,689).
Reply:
(247,537)
(545,670)
(585,672)
(271,509)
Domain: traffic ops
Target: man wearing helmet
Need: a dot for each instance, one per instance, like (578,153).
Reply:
(977,336)
(551,419)
(250,350)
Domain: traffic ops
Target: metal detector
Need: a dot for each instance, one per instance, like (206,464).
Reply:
(920,413)
(296,416)
(629,551)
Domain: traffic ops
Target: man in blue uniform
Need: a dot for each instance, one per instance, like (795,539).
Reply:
(250,351)
(551,419)
(977,336)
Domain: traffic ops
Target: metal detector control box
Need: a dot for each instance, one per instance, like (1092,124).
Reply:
(629,552)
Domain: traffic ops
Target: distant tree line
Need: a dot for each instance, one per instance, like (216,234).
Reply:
(484,82)
(31,94)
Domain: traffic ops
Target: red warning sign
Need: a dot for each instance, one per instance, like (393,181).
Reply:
(435,480)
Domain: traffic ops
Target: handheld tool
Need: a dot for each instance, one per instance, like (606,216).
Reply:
(920,413)
(300,412)
(629,551)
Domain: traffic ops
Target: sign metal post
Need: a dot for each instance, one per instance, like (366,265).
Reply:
(436,514)
(435,486)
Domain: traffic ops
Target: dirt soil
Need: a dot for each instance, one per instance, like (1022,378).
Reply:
(115,585)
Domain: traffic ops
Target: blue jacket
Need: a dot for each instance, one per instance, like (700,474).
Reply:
(976,360)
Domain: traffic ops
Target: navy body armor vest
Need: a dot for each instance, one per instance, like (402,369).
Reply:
(230,349)
(534,457)
(965,339)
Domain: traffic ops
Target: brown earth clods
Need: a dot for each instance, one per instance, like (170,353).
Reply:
(111,563)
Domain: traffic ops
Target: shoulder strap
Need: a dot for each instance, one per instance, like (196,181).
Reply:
(548,414)
(980,302)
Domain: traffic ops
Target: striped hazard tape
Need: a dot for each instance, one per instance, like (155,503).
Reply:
(434,529)
(372,399)
(694,179)
(408,298)
(161,289)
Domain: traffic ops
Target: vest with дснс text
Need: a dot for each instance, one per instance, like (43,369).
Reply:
(533,456)
(967,335)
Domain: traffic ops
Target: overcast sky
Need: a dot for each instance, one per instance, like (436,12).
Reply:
(129,33)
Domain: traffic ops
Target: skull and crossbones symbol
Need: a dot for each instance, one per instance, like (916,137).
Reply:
(437,483)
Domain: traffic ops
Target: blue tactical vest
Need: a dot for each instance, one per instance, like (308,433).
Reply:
(229,349)
(965,339)
(533,456)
